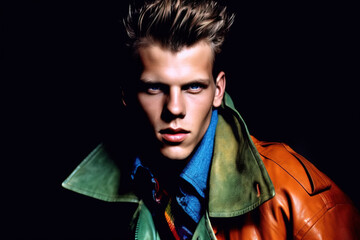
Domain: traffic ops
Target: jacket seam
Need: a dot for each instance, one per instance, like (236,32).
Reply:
(209,227)
(107,197)
(317,216)
(236,213)
(297,156)
(311,226)
(288,173)
(312,221)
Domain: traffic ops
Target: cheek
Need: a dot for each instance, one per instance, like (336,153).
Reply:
(200,110)
(151,106)
(202,102)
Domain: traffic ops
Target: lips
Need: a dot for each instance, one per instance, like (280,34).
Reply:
(174,136)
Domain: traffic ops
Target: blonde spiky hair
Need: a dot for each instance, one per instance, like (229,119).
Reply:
(175,24)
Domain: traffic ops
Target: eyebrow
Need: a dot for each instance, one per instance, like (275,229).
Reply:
(198,80)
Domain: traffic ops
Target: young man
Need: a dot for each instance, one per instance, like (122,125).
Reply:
(196,173)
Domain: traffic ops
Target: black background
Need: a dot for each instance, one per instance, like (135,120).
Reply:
(290,70)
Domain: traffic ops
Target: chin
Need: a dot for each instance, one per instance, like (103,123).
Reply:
(175,153)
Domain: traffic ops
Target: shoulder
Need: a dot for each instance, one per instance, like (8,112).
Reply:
(292,172)
(304,195)
(280,158)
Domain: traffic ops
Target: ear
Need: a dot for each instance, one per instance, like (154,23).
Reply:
(220,85)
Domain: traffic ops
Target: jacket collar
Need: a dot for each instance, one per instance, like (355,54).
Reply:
(238,180)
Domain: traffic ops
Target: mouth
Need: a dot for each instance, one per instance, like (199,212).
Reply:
(174,136)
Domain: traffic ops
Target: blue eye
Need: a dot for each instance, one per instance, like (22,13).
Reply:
(195,87)
(151,88)
(154,89)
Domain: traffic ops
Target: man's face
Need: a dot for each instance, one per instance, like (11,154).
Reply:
(177,93)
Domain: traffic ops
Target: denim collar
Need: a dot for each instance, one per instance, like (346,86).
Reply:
(196,171)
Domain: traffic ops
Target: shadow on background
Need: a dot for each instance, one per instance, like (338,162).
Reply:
(290,70)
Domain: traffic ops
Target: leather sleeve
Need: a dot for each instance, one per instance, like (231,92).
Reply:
(340,222)
(307,202)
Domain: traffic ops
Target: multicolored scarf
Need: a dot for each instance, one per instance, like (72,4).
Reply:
(179,212)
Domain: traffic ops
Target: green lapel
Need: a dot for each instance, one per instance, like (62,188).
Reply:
(99,176)
(239,181)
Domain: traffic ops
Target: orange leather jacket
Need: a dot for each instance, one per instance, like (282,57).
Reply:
(307,204)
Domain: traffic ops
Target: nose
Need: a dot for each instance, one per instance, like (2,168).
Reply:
(175,105)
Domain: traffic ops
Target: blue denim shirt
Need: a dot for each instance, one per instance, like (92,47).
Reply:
(195,173)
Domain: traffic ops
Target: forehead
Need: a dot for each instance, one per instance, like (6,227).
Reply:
(187,51)
(161,63)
